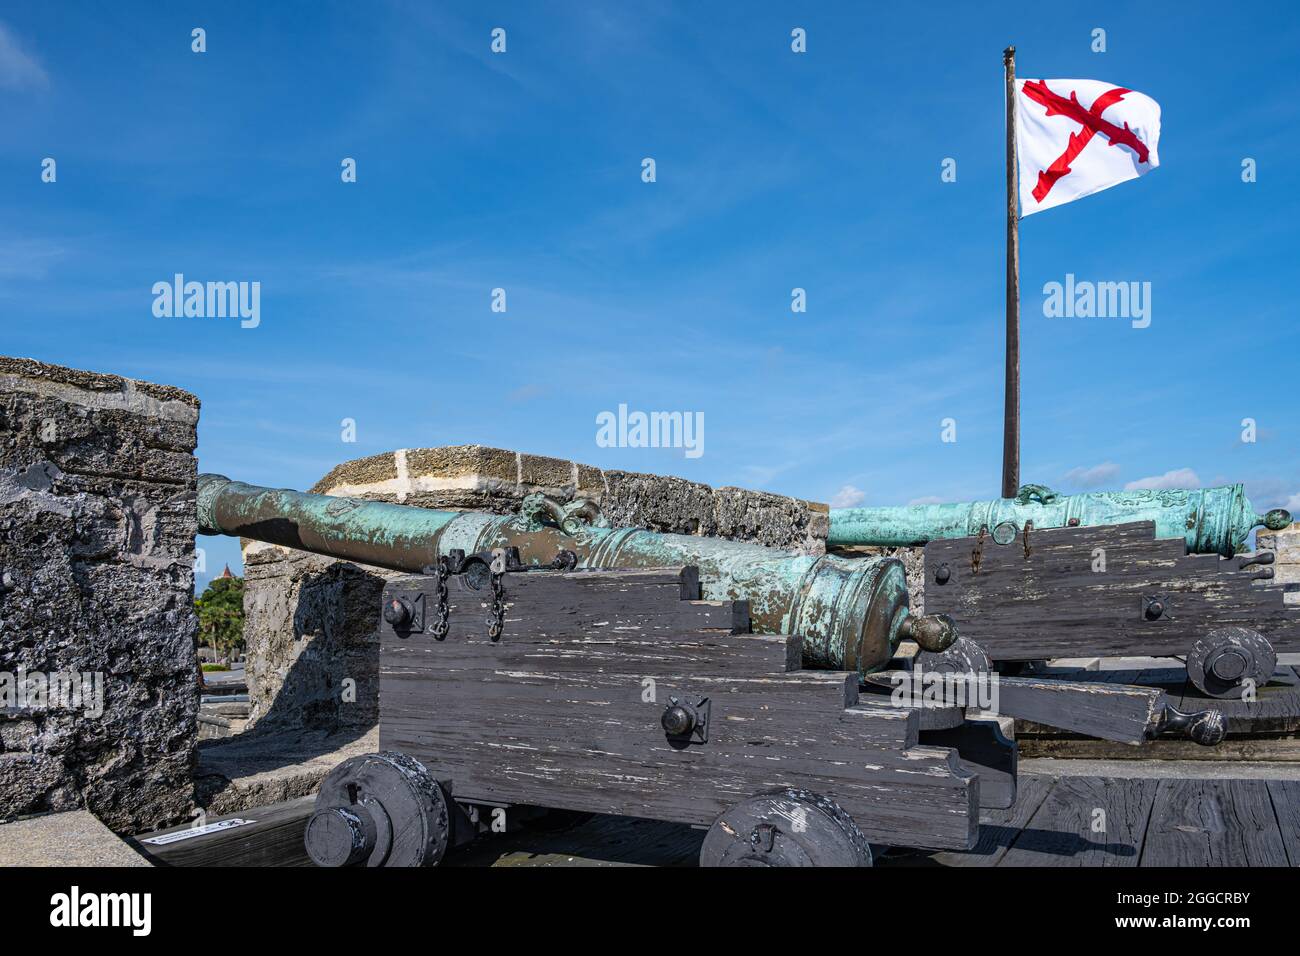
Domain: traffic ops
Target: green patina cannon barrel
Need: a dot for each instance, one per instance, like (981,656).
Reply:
(1209,520)
(851,613)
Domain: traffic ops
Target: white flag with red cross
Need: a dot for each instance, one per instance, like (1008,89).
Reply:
(1078,137)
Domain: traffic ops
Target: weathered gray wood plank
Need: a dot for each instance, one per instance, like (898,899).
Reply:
(1274,711)
(1281,749)
(1118,712)
(1212,822)
(1086,821)
(1275,708)
(1053,604)
(274,838)
(590,601)
(666,651)
(983,750)
(1285,795)
(564,711)
(999,829)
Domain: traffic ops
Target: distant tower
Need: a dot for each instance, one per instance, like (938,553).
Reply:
(226,573)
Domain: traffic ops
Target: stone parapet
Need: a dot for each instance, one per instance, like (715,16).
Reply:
(97,525)
(477,478)
(1285,545)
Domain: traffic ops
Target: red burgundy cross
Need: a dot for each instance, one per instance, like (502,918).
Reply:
(1091,122)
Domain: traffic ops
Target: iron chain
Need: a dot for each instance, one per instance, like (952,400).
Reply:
(440,625)
(496,620)
(977,553)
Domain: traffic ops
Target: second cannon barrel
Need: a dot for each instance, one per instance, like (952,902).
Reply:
(851,613)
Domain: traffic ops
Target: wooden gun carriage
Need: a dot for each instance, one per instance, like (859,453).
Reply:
(505,696)
(543,662)
(1113,590)
(621,692)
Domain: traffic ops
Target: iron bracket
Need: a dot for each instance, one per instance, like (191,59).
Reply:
(698,714)
(1156,607)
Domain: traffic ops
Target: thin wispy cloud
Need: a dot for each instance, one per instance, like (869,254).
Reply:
(19,69)
(28,258)
(1178,478)
(1092,477)
(848,497)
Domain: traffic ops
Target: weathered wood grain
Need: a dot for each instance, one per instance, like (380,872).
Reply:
(564,711)
(274,838)
(593,601)
(1207,822)
(1097,705)
(1275,709)
(999,829)
(1053,604)
(1285,795)
(1149,822)
(984,750)
(1087,821)
(1275,749)
(881,686)
(666,650)
(1053,838)
(1271,719)
(1118,712)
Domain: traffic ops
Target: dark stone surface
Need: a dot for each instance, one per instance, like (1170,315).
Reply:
(97,528)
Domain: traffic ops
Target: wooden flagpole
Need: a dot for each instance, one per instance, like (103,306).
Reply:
(1011,412)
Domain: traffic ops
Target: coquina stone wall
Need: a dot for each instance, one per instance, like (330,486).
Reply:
(1285,545)
(310,628)
(97,525)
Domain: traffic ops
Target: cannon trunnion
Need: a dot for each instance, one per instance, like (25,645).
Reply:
(622,692)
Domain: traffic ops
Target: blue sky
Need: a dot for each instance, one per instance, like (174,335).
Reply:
(775,170)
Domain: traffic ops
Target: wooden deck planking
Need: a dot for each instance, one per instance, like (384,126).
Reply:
(1086,821)
(1286,805)
(1000,828)
(1147,822)
(1209,823)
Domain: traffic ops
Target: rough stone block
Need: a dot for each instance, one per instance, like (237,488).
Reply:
(773,520)
(97,526)
(310,630)
(551,475)
(1285,545)
(659,503)
(376,469)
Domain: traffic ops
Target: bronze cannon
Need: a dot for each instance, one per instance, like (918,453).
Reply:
(851,614)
